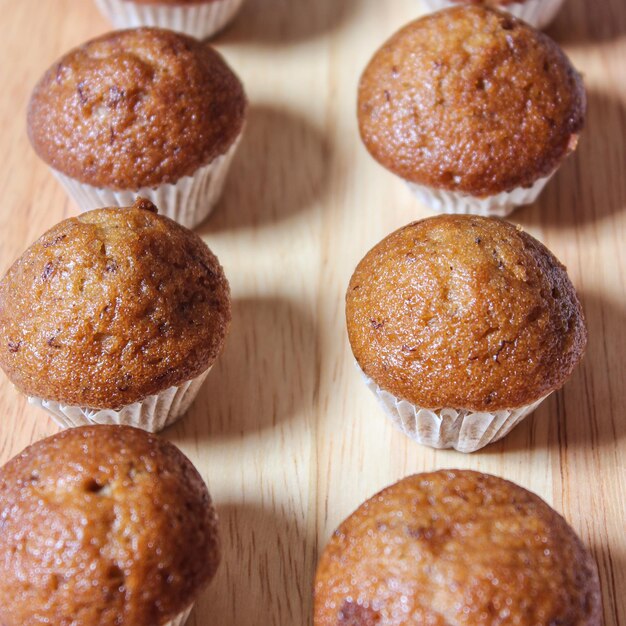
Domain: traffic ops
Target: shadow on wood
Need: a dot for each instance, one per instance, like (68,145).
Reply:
(284,22)
(591,184)
(601,379)
(579,23)
(279,170)
(266,375)
(268,561)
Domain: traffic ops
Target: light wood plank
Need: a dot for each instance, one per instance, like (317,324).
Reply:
(284,432)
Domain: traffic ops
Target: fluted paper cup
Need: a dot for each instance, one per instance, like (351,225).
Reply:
(189,201)
(153,413)
(537,13)
(199,20)
(463,430)
(180,619)
(499,205)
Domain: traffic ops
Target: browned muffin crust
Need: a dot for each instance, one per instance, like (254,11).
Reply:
(464,312)
(471,100)
(136,108)
(101,526)
(456,548)
(112,306)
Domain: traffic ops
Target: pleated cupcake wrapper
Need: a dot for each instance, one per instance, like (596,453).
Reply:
(153,413)
(180,619)
(198,20)
(189,201)
(537,13)
(499,205)
(463,430)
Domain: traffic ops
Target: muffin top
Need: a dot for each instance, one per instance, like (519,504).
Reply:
(104,525)
(112,306)
(136,108)
(470,100)
(464,312)
(456,547)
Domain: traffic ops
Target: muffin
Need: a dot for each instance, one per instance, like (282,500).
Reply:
(140,112)
(456,547)
(462,325)
(537,13)
(473,107)
(115,316)
(104,525)
(198,18)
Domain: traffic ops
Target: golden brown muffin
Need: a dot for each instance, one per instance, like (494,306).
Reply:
(464,312)
(136,108)
(112,306)
(456,548)
(470,100)
(101,526)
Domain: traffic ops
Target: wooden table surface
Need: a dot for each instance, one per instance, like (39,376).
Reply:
(284,432)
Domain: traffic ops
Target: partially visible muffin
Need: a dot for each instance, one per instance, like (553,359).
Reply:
(462,325)
(198,18)
(118,309)
(101,526)
(456,547)
(474,108)
(140,112)
(537,13)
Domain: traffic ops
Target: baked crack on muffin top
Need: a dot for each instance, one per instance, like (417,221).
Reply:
(102,526)
(456,548)
(471,100)
(111,306)
(464,312)
(136,108)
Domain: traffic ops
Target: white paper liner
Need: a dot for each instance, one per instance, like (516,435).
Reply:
(198,20)
(500,205)
(153,413)
(537,13)
(189,201)
(463,430)
(180,619)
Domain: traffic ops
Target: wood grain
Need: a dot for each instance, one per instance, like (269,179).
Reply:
(286,435)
